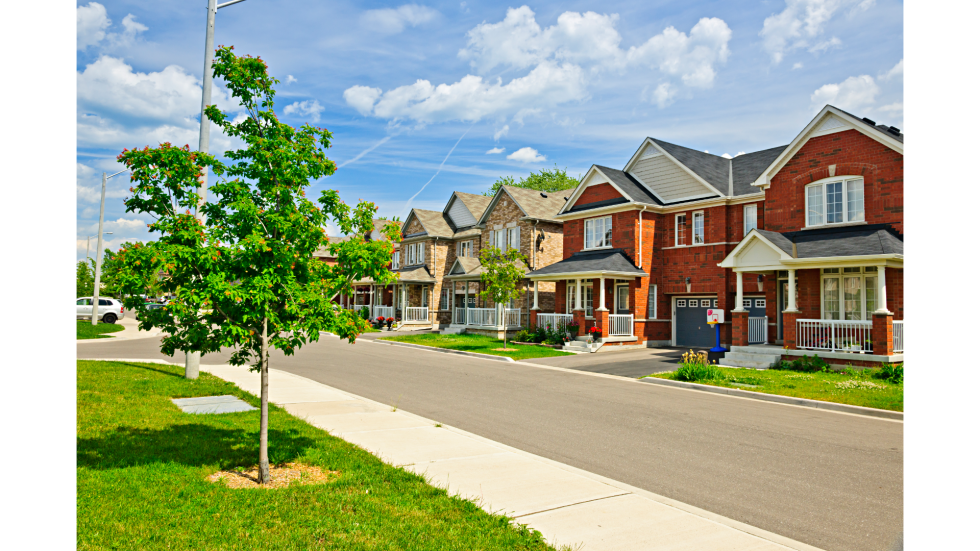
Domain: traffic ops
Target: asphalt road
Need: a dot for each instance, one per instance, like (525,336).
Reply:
(831,480)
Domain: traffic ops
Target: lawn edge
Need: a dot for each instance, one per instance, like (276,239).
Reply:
(382,340)
(791,400)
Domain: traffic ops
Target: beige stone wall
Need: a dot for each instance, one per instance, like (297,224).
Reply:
(413,227)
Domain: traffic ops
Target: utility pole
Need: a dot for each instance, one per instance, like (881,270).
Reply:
(192,358)
(98,257)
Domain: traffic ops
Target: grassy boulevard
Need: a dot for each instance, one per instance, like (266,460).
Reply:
(478,343)
(858,389)
(88,331)
(142,468)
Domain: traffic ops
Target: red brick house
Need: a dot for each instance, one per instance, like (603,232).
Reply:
(800,246)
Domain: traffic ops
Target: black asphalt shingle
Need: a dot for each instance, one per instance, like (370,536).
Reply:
(747,168)
(872,239)
(605,260)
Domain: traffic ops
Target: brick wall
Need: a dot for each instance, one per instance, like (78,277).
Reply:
(599,192)
(853,154)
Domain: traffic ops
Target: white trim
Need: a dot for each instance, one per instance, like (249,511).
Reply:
(843,180)
(677,227)
(713,192)
(704,229)
(745,228)
(646,185)
(705,245)
(582,187)
(666,209)
(800,140)
(585,233)
(586,275)
(729,261)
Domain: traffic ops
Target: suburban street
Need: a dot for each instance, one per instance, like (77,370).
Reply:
(831,480)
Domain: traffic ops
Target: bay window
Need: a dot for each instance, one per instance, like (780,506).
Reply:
(835,202)
(598,232)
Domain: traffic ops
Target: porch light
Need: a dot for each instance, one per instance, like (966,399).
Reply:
(760,283)
(688,282)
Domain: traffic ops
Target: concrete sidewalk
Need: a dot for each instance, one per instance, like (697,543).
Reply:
(568,505)
(130,331)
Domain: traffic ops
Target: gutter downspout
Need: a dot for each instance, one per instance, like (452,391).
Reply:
(640,255)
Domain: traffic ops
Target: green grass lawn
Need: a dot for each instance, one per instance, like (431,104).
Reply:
(856,390)
(478,343)
(142,466)
(88,331)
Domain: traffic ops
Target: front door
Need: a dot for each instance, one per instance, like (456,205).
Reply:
(622,299)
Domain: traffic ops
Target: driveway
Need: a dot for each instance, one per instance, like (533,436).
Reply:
(626,363)
(828,479)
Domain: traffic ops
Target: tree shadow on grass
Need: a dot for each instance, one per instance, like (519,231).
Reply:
(192,444)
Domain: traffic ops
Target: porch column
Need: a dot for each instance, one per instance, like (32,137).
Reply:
(535,307)
(602,297)
(466,303)
(882,299)
(452,304)
(791,299)
(578,294)
(404,301)
(738,293)
(882,338)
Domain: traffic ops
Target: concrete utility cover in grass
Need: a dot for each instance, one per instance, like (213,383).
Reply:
(212,404)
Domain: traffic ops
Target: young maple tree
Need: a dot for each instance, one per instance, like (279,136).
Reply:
(501,273)
(245,278)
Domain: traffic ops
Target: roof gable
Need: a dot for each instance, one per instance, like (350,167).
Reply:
(542,205)
(458,213)
(829,120)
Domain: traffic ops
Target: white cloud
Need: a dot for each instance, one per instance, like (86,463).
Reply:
(495,151)
(562,61)
(896,108)
(801,23)
(362,98)
(527,155)
(309,108)
(853,93)
(727,156)
(290,79)
(91,23)
(897,71)
(394,20)
(501,133)
(664,95)
(834,42)
(797,65)
(131,30)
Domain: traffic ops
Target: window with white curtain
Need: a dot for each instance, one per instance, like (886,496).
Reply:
(514,238)
(598,232)
(835,202)
(750,219)
(394,260)
(680,229)
(698,229)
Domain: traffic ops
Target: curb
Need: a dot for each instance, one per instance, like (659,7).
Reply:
(817,404)
(447,351)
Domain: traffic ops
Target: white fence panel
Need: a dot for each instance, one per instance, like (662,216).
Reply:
(513,317)
(481,316)
(620,325)
(417,313)
(834,335)
(459,317)
(386,311)
(898,336)
(555,321)
(759,330)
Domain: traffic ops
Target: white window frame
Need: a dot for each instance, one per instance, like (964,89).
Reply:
(846,216)
(694,227)
(513,236)
(394,259)
(464,249)
(606,231)
(587,299)
(678,227)
(864,275)
(745,218)
(616,305)
(654,303)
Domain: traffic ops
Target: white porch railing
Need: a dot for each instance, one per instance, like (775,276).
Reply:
(459,316)
(481,316)
(759,330)
(556,321)
(386,311)
(898,336)
(512,317)
(620,325)
(834,335)
(417,313)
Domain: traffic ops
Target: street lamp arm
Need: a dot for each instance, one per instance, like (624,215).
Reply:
(228,3)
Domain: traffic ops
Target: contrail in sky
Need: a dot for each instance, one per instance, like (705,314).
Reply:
(409,202)
(365,152)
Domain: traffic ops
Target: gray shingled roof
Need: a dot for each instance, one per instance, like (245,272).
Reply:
(711,168)
(884,129)
(873,239)
(536,206)
(636,191)
(747,168)
(606,260)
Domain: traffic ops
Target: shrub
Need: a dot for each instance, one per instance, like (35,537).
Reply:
(364,312)
(806,364)
(891,373)
(524,336)
(695,367)
(540,334)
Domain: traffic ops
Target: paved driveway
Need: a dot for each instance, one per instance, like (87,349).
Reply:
(626,363)
(828,479)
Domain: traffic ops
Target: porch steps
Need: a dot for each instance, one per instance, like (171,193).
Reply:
(581,346)
(751,357)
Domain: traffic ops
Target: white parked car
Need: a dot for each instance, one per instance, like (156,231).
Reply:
(110,309)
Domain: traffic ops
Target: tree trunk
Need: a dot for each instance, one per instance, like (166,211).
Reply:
(264,416)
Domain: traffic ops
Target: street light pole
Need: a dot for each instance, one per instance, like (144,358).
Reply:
(98,247)
(192,359)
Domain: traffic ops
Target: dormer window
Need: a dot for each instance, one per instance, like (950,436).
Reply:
(598,233)
(838,201)
(464,248)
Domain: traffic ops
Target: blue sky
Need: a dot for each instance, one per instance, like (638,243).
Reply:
(520,87)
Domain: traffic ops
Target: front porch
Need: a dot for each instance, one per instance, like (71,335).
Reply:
(469,311)
(838,307)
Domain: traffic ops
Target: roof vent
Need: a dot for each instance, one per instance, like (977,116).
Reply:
(545,195)
(894,130)
(565,198)
(869,121)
